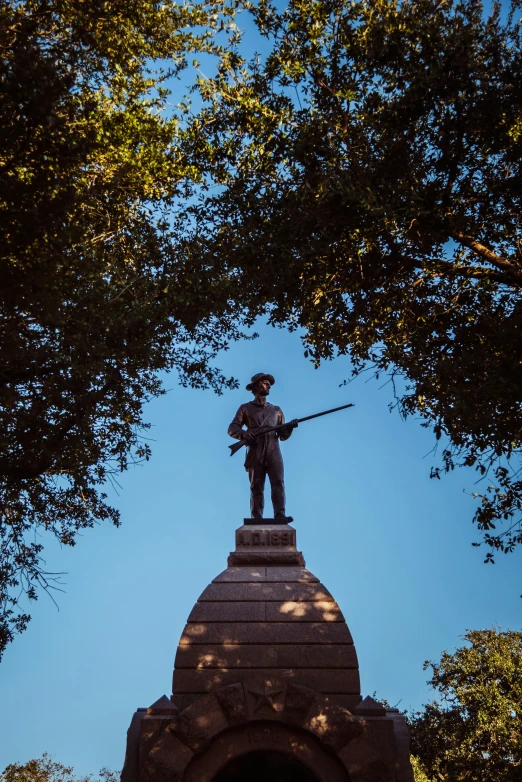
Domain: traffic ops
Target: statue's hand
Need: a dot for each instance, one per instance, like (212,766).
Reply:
(249,436)
(288,428)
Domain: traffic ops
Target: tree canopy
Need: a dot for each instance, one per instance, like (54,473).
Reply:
(363,185)
(94,299)
(45,769)
(474,732)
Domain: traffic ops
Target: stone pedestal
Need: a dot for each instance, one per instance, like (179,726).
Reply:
(266,664)
(265,542)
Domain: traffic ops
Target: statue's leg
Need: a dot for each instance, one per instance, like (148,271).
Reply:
(276,475)
(257,475)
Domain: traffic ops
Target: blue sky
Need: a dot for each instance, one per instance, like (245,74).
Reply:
(393,546)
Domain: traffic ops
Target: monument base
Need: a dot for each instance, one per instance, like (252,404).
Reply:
(266,678)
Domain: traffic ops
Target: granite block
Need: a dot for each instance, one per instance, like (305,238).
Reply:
(298,703)
(228,612)
(334,725)
(235,592)
(349,701)
(233,655)
(166,761)
(370,757)
(325,681)
(273,557)
(288,574)
(292,611)
(233,703)
(284,632)
(199,722)
(239,574)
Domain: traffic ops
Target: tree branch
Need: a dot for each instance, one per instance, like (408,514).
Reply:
(442,267)
(496,260)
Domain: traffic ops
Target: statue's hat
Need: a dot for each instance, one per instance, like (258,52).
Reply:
(257,378)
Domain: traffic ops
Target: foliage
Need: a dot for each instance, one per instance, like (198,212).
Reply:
(95,301)
(475,731)
(419,774)
(44,769)
(363,185)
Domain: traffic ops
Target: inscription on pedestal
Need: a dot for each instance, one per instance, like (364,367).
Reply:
(265,538)
(264,734)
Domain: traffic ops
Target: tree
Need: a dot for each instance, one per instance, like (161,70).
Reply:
(475,731)
(419,774)
(45,769)
(95,300)
(363,185)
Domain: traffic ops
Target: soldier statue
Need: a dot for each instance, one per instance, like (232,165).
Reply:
(263,451)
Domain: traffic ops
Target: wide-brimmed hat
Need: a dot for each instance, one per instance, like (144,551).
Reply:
(257,378)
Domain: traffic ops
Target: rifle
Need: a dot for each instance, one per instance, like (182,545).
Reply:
(236,446)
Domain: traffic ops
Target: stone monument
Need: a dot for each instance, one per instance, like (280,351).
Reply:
(266,683)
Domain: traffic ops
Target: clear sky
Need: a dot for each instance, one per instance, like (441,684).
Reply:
(393,547)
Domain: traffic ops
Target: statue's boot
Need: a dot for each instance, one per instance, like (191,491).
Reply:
(284,517)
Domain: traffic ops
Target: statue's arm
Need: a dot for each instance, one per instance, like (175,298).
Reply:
(285,433)
(235,429)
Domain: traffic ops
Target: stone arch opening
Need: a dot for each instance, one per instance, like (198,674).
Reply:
(265,740)
(265,766)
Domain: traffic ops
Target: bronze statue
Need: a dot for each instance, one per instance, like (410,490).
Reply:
(263,451)
(265,426)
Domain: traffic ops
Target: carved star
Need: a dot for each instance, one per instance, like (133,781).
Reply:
(265,698)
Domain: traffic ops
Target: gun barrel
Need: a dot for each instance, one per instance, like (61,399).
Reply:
(325,412)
